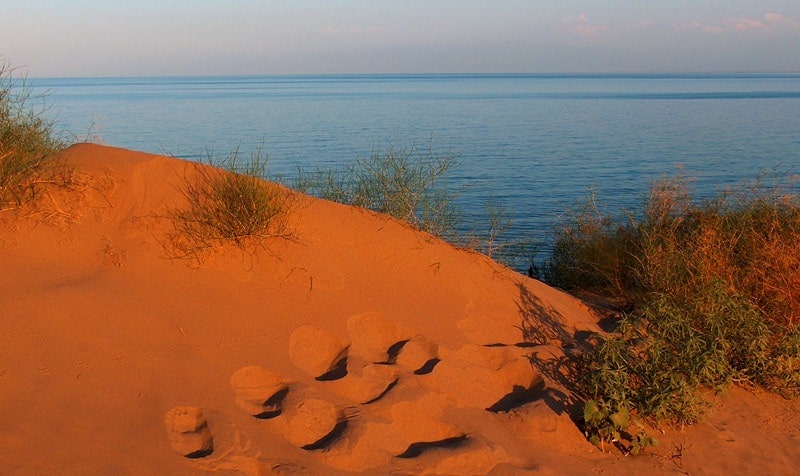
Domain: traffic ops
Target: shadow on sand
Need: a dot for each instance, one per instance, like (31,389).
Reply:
(555,347)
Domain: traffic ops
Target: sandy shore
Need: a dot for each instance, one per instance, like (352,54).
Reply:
(358,345)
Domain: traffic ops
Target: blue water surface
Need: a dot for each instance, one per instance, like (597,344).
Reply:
(530,143)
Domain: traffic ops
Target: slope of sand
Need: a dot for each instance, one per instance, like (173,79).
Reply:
(359,345)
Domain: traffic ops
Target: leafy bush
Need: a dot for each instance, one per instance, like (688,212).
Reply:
(402,182)
(714,292)
(231,202)
(27,143)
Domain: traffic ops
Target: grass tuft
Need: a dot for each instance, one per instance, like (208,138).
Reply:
(402,182)
(27,144)
(230,202)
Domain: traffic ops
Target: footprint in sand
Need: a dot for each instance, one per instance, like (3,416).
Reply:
(188,433)
(492,378)
(259,392)
(375,337)
(315,424)
(365,384)
(318,352)
(419,355)
(412,428)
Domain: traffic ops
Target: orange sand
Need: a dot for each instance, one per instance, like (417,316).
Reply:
(114,357)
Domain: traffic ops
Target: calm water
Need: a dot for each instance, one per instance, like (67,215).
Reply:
(532,143)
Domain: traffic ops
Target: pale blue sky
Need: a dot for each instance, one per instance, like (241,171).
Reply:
(172,37)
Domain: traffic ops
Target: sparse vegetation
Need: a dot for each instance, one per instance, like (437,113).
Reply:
(407,183)
(604,423)
(489,237)
(230,202)
(27,144)
(712,292)
(402,182)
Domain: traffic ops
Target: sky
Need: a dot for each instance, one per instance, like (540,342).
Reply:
(96,38)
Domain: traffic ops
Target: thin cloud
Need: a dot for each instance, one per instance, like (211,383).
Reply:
(580,25)
(744,24)
(740,24)
(774,17)
(780,19)
(713,29)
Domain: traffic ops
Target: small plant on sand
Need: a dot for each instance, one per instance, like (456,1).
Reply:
(711,289)
(27,144)
(402,182)
(230,202)
(606,424)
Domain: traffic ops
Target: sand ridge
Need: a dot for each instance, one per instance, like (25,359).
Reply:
(360,345)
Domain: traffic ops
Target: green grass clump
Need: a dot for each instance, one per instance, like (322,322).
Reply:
(402,182)
(230,202)
(712,289)
(27,143)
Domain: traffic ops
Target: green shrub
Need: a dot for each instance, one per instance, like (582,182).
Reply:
(232,202)
(668,350)
(27,144)
(713,289)
(591,251)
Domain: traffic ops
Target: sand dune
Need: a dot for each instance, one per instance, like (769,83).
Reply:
(358,345)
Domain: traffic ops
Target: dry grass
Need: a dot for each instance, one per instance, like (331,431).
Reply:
(713,293)
(27,145)
(746,239)
(230,202)
(402,182)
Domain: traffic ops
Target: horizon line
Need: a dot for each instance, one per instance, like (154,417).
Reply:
(643,74)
